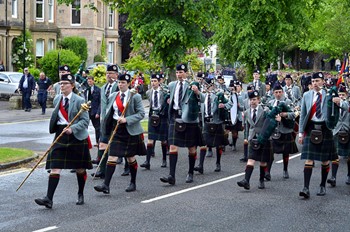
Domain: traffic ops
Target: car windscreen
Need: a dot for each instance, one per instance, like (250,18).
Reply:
(15,77)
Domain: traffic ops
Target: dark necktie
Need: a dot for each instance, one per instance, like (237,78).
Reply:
(289,93)
(66,104)
(209,105)
(254,115)
(89,95)
(180,95)
(278,102)
(156,99)
(318,105)
(108,90)
(122,100)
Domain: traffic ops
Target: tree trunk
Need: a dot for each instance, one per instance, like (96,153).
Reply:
(317,61)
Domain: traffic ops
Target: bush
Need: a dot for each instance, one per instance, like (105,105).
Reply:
(49,62)
(76,44)
(17,52)
(99,58)
(99,74)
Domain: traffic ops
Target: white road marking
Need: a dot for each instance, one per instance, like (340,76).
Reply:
(290,157)
(47,229)
(191,189)
(29,121)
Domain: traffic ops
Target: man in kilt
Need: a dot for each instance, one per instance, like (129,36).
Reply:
(313,123)
(71,151)
(341,135)
(157,120)
(213,127)
(183,111)
(128,140)
(282,139)
(254,120)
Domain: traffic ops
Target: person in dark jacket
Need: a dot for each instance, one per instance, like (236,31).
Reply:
(26,86)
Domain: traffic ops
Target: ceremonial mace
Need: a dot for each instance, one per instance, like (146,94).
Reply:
(133,92)
(84,107)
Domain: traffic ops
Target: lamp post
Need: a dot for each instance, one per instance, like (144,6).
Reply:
(24,34)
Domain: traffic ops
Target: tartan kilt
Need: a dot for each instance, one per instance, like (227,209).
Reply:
(263,154)
(285,144)
(126,145)
(236,127)
(217,138)
(160,132)
(321,152)
(342,149)
(191,137)
(69,153)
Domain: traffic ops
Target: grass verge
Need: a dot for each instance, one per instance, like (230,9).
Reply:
(144,125)
(13,154)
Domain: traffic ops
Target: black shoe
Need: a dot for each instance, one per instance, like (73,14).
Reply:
(119,160)
(146,165)
(72,171)
(348,181)
(244,183)
(261,184)
(98,175)
(42,113)
(332,181)
(168,179)
(163,164)
(322,191)
(44,201)
(126,172)
(189,178)
(267,176)
(95,161)
(49,171)
(218,168)
(285,175)
(131,187)
(243,160)
(102,188)
(305,193)
(199,169)
(28,110)
(80,200)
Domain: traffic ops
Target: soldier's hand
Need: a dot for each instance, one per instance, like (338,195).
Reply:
(245,142)
(97,116)
(221,105)
(301,140)
(278,118)
(102,146)
(195,89)
(68,131)
(121,120)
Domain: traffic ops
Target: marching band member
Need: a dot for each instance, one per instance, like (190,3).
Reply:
(292,91)
(341,136)
(183,130)
(71,151)
(157,120)
(258,84)
(311,125)
(128,140)
(282,139)
(254,119)
(221,84)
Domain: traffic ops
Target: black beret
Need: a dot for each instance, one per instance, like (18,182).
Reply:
(317,75)
(155,76)
(232,83)
(342,89)
(277,87)
(220,77)
(250,87)
(64,68)
(256,71)
(288,76)
(181,67)
(124,77)
(200,75)
(238,83)
(87,71)
(112,68)
(68,77)
(253,94)
(209,81)
(268,83)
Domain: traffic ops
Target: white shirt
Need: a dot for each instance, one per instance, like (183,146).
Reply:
(206,105)
(115,107)
(176,95)
(25,83)
(153,95)
(252,113)
(61,119)
(314,118)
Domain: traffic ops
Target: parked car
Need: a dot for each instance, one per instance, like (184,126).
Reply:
(9,81)
(94,65)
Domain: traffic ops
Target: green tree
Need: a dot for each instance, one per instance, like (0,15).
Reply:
(76,44)
(49,63)
(18,52)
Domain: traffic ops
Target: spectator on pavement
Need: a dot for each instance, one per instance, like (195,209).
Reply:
(26,86)
(43,86)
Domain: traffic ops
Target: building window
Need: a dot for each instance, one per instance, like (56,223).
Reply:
(14,8)
(39,48)
(51,45)
(110,52)
(76,12)
(111,18)
(40,10)
(51,10)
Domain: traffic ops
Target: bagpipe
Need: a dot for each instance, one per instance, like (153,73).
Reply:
(193,102)
(223,113)
(333,110)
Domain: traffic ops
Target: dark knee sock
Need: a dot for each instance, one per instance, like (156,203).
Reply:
(126,164)
(218,154)
(191,161)
(234,139)
(150,151)
(307,174)
(262,173)
(245,151)
(81,181)
(285,162)
(103,161)
(269,164)
(133,171)
(202,152)
(335,165)
(248,172)
(172,161)
(164,150)
(110,168)
(210,149)
(53,182)
(324,174)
